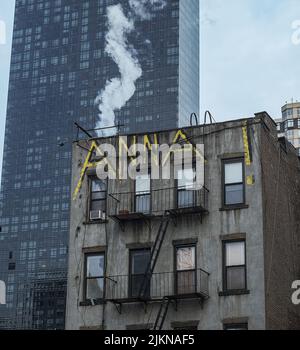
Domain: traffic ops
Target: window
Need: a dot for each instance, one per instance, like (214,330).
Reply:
(233,182)
(143,194)
(186,196)
(236,327)
(186,270)
(291,124)
(11,266)
(139,261)
(98,199)
(94,277)
(234,266)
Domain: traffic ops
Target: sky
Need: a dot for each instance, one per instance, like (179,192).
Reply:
(249,63)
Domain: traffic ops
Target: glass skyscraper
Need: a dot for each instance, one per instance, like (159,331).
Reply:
(58,67)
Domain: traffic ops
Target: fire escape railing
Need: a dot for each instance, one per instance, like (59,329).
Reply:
(175,285)
(157,202)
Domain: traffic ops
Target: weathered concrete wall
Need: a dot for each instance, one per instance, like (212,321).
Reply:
(281,207)
(81,236)
(222,140)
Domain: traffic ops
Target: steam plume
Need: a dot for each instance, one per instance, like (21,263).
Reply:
(120,90)
(145,8)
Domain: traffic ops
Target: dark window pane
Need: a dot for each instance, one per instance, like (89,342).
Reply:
(140,261)
(234,194)
(186,282)
(236,278)
(98,205)
(136,285)
(139,264)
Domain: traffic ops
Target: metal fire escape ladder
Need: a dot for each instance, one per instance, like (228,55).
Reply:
(154,255)
(162,313)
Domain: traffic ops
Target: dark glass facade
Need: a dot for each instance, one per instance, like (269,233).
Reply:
(58,67)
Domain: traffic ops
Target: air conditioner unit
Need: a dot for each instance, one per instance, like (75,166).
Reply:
(96,215)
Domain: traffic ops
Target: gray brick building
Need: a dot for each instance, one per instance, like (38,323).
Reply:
(146,254)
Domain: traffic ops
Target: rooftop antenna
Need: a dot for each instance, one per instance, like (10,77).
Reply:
(211,118)
(83,130)
(87,132)
(195,117)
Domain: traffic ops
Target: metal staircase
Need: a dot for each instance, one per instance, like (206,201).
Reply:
(164,224)
(163,227)
(162,313)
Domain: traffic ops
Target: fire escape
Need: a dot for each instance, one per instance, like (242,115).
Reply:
(166,205)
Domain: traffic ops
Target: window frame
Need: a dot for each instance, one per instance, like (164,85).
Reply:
(86,278)
(224,185)
(90,199)
(139,195)
(291,124)
(176,271)
(131,274)
(225,267)
(180,190)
